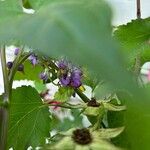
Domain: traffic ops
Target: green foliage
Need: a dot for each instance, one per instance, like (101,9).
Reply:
(9,8)
(39,86)
(29,122)
(134,38)
(81,30)
(30,72)
(34,4)
(63,94)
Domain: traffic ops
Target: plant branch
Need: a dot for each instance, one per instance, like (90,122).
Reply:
(5,75)
(4,108)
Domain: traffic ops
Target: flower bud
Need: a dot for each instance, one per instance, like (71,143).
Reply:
(16,51)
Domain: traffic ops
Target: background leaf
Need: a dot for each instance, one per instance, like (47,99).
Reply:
(134,38)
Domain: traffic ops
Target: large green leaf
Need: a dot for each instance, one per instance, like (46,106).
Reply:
(9,9)
(80,30)
(29,122)
(134,38)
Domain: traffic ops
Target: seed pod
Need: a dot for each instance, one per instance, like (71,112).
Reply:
(9,64)
(21,67)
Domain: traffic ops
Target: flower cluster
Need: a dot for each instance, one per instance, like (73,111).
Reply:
(69,75)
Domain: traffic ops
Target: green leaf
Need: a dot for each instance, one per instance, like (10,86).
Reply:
(29,122)
(40,87)
(63,94)
(83,31)
(9,9)
(134,37)
(30,72)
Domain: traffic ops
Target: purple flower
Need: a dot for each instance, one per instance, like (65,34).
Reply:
(21,67)
(76,82)
(16,51)
(62,64)
(43,76)
(65,81)
(33,59)
(9,64)
(76,73)
(71,75)
(76,76)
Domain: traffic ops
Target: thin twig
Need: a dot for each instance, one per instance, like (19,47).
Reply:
(138,9)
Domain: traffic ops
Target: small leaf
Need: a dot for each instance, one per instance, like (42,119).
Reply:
(63,94)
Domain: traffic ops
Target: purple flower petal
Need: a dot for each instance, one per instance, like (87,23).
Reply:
(65,81)
(16,51)
(33,59)
(62,64)
(77,73)
(43,76)
(76,83)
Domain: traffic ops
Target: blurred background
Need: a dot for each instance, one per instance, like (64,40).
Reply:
(124,11)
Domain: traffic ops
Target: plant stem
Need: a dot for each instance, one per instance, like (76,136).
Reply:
(138,9)
(4,127)
(82,96)
(5,75)
(4,109)
(137,66)
(14,69)
(64,106)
